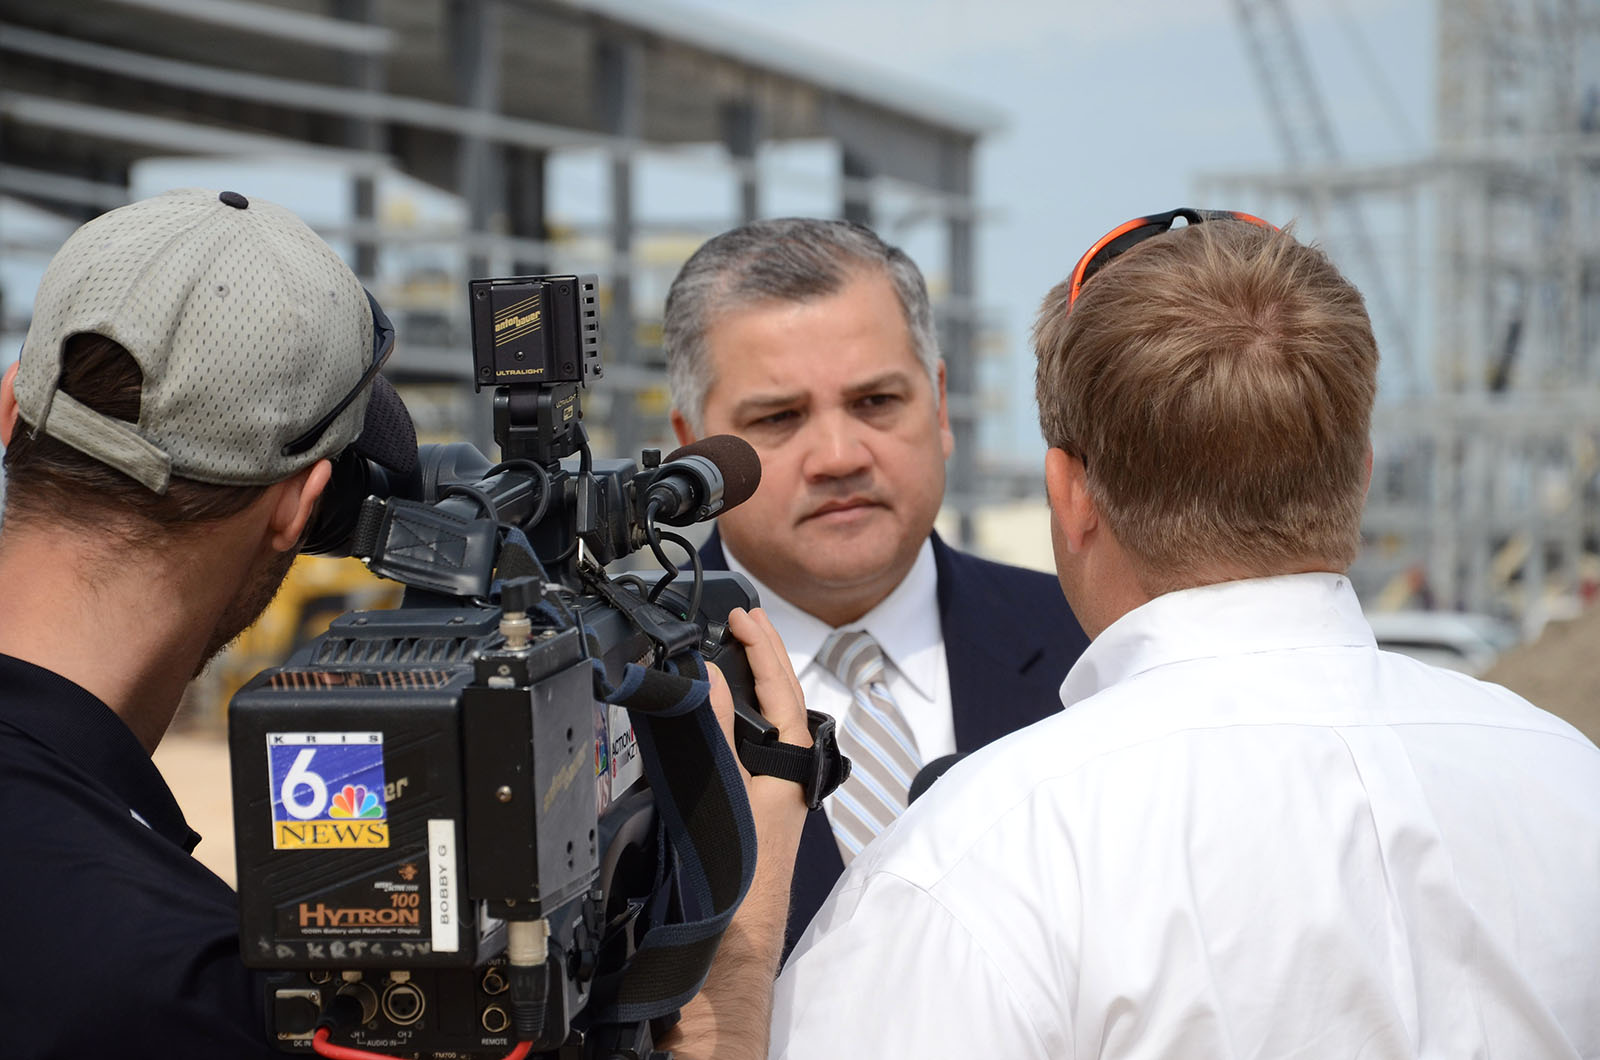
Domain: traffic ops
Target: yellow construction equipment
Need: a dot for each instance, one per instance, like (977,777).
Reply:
(317,590)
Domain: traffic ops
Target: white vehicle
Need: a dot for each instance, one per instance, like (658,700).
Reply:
(1454,640)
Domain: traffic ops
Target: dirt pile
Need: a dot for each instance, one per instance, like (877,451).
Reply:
(1559,672)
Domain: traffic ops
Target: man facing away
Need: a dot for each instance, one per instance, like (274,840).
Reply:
(814,341)
(1251,833)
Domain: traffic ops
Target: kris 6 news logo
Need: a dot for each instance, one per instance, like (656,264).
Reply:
(327,790)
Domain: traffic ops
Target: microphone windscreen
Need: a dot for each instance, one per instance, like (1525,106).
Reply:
(930,773)
(734,457)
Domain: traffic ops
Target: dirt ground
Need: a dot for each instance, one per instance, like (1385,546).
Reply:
(1560,672)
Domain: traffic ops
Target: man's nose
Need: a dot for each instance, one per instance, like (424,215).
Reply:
(836,448)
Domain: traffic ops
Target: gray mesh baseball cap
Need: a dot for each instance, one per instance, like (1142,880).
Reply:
(250,332)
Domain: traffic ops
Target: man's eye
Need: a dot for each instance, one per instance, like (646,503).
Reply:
(776,419)
(873,402)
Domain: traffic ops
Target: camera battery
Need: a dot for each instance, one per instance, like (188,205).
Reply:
(349,803)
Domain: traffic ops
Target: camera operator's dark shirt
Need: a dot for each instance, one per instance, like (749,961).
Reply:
(114,942)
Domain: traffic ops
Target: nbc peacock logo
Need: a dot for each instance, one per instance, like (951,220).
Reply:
(327,790)
(356,801)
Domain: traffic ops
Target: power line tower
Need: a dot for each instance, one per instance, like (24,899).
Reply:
(1484,495)
(1518,296)
(1306,135)
(1517,106)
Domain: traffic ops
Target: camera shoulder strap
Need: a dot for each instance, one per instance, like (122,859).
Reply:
(701,801)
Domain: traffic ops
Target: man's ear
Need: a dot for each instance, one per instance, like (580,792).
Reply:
(296,503)
(1067,486)
(9,413)
(680,427)
(947,437)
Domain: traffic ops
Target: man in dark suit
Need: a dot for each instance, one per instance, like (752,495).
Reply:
(814,341)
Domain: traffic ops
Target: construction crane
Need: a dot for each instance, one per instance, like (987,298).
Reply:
(1305,133)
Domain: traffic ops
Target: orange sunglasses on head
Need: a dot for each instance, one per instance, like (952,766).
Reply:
(1131,233)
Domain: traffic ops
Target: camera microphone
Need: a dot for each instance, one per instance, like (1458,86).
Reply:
(703,479)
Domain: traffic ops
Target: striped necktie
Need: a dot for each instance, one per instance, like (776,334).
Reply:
(876,738)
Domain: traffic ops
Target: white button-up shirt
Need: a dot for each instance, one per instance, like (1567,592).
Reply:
(1251,834)
(906,626)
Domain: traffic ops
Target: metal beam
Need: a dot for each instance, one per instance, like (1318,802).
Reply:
(618,90)
(53,187)
(1523,157)
(526,198)
(741,134)
(168,134)
(772,55)
(359,104)
(271,21)
(960,333)
(855,187)
(1535,414)
(339,101)
(365,72)
(474,27)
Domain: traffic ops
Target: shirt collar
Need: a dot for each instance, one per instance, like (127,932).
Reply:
(81,730)
(1233,618)
(905,623)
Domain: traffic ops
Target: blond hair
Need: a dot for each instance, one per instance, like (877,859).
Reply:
(1217,382)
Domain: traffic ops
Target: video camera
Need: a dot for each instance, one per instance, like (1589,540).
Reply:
(425,868)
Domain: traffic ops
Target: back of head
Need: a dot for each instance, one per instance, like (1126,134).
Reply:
(185,352)
(51,484)
(792,259)
(1217,382)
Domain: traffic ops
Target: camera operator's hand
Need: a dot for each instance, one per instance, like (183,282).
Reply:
(730,1017)
(778,691)
(778,805)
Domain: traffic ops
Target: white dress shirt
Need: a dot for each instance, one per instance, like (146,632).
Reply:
(1251,834)
(906,626)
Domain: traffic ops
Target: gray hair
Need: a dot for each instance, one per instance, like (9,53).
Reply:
(791,259)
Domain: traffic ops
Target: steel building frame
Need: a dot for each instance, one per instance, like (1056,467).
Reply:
(475,97)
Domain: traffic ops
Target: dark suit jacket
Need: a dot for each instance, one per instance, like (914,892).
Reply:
(1009,640)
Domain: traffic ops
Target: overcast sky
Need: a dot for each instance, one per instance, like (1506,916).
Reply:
(1112,109)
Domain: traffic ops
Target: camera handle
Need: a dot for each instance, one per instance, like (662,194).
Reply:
(818,769)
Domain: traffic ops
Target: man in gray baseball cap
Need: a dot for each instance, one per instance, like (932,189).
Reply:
(195,362)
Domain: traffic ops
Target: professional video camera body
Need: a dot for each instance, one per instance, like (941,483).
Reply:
(424,865)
